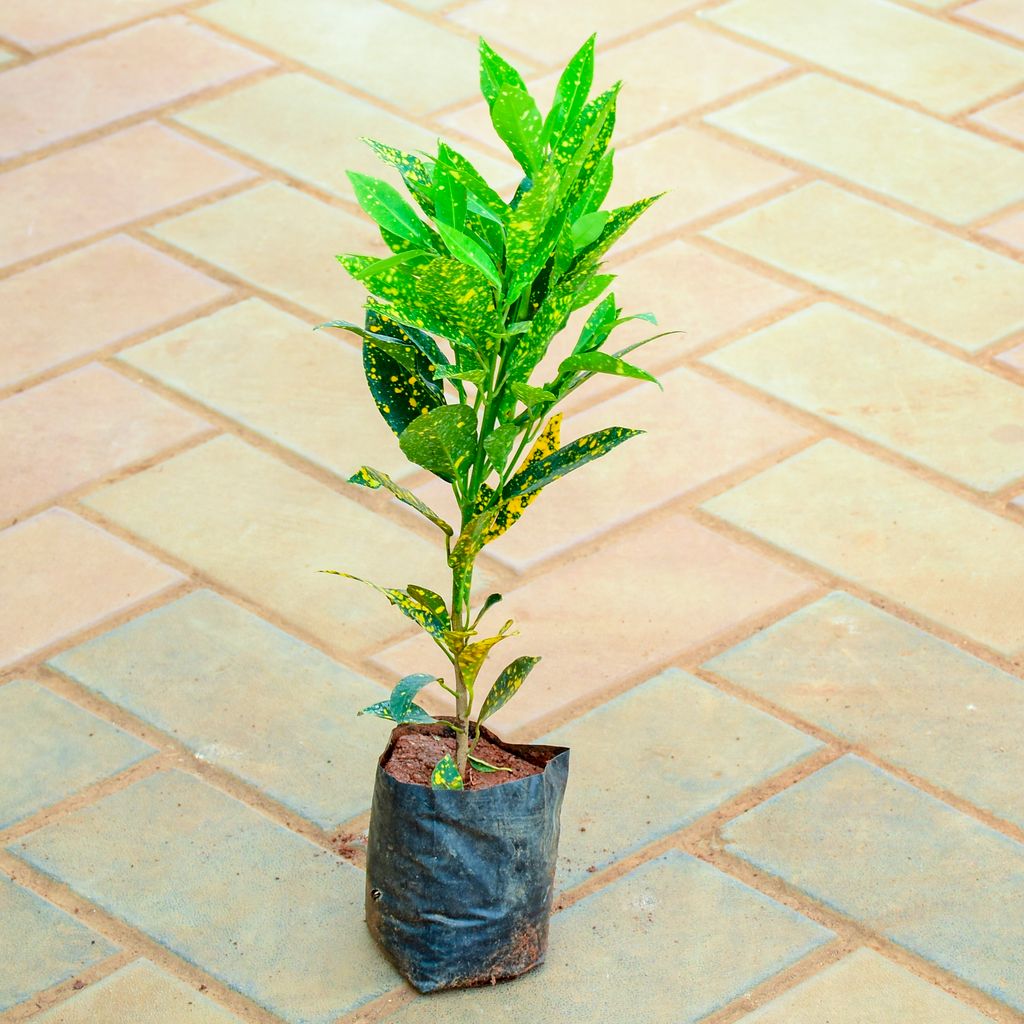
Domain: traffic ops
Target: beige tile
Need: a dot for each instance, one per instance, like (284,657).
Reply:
(271,373)
(103,185)
(898,50)
(386,52)
(1014,358)
(60,574)
(282,240)
(885,261)
(75,289)
(888,388)
(1006,16)
(551,33)
(940,556)
(1008,229)
(697,431)
(1006,117)
(263,530)
(628,607)
(667,73)
(699,173)
(952,173)
(99,82)
(865,988)
(79,427)
(314,132)
(5,55)
(38,26)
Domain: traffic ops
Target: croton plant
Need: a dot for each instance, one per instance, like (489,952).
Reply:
(458,318)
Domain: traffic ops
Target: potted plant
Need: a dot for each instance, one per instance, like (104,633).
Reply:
(464,827)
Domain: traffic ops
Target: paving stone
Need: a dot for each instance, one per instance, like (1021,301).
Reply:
(891,532)
(901,862)
(909,697)
(314,132)
(38,27)
(270,372)
(1009,230)
(5,56)
(515,23)
(41,302)
(72,429)
(669,72)
(262,529)
(42,945)
(53,749)
(885,261)
(895,49)
(1014,358)
(245,696)
(696,431)
(689,939)
(142,994)
(700,748)
(103,185)
(99,82)
(282,240)
(888,388)
(1004,16)
(361,42)
(952,173)
(705,176)
(261,909)
(60,574)
(865,988)
(625,608)
(1006,117)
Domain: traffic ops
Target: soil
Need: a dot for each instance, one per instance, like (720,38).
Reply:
(415,751)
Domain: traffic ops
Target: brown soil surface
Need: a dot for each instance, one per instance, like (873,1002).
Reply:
(415,753)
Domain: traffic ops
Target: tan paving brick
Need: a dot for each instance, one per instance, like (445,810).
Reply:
(79,427)
(890,389)
(697,431)
(896,49)
(99,82)
(38,26)
(1006,117)
(5,55)
(939,555)
(271,373)
(886,261)
(1006,16)
(260,528)
(103,185)
(552,32)
(864,988)
(280,239)
(700,173)
(379,49)
(629,606)
(314,132)
(952,173)
(1009,230)
(75,289)
(60,574)
(1014,358)
(668,72)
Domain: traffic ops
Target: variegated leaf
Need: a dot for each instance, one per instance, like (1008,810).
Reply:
(506,686)
(571,92)
(601,362)
(367,476)
(474,182)
(473,655)
(531,396)
(449,195)
(382,709)
(490,602)
(446,774)
(518,124)
(469,251)
(402,396)
(485,766)
(462,297)
(528,221)
(402,696)
(384,204)
(472,538)
(443,440)
(495,72)
(618,223)
(433,602)
(498,444)
(405,603)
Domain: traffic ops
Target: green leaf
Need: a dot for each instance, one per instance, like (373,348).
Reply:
(383,203)
(454,373)
(474,182)
(517,121)
(598,326)
(549,319)
(645,341)
(469,251)
(596,190)
(382,709)
(588,228)
(590,289)
(485,766)
(449,196)
(406,604)
(618,223)
(443,440)
(378,323)
(532,233)
(578,453)
(401,396)
(433,602)
(490,602)
(495,72)
(415,172)
(366,476)
(589,140)
(462,297)
(506,686)
(446,774)
(498,444)
(571,92)
(402,696)
(531,396)
(601,362)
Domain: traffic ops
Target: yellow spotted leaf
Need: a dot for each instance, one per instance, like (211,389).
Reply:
(507,685)
(446,774)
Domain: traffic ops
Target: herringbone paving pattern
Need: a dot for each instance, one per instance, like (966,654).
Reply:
(784,634)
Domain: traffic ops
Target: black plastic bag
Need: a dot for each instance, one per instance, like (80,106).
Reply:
(459,883)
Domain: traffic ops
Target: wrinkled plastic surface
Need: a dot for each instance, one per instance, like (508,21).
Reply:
(459,883)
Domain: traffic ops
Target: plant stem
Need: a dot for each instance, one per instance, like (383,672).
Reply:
(462,582)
